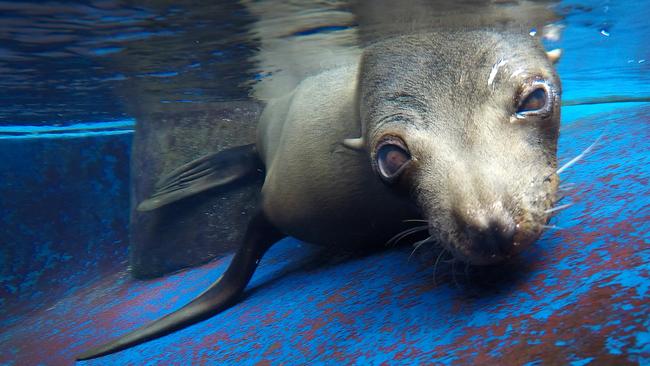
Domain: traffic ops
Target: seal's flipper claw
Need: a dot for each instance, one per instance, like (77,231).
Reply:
(260,236)
(204,173)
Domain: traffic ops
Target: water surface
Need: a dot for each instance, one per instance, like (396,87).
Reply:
(69,62)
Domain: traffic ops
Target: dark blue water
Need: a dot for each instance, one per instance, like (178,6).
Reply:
(68,62)
(63,63)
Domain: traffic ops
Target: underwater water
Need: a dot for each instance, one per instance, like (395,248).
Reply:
(84,84)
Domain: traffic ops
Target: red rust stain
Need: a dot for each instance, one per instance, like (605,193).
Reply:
(336,298)
(408,354)
(270,318)
(607,178)
(576,322)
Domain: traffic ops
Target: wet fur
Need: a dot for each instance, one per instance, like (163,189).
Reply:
(473,163)
(470,160)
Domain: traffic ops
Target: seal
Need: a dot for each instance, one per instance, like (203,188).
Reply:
(181,235)
(459,129)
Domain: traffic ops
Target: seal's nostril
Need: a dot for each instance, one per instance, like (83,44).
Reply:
(503,237)
(503,231)
(489,236)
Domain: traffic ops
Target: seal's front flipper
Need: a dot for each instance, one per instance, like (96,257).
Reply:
(260,236)
(204,173)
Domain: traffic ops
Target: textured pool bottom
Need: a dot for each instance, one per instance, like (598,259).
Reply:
(581,297)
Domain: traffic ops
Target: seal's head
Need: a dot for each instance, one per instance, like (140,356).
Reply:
(467,124)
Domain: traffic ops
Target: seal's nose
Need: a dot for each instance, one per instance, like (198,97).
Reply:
(489,235)
(497,237)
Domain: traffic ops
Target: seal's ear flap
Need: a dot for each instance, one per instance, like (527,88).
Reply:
(204,173)
(355,143)
(554,55)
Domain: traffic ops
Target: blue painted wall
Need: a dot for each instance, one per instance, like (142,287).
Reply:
(63,213)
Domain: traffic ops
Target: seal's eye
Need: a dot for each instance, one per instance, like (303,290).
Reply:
(392,158)
(534,101)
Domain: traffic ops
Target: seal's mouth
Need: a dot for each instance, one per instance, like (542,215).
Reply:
(492,243)
(498,231)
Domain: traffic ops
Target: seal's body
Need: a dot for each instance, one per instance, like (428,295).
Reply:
(481,165)
(459,130)
(313,178)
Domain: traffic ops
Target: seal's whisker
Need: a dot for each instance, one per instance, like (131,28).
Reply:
(416,220)
(418,244)
(435,266)
(559,208)
(552,227)
(566,186)
(401,235)
(453,273)
(580,156)
(427,240)
(407,232)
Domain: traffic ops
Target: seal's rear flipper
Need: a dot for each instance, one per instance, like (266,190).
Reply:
(260,236)
(204,173)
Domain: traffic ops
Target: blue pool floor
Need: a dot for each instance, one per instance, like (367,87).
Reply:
(580,296)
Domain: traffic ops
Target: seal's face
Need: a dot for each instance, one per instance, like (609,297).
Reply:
(471,134)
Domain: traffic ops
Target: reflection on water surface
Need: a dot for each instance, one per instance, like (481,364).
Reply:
(65,62)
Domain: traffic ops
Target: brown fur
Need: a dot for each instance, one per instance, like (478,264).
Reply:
(452,99)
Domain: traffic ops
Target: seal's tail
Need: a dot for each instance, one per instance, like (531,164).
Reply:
(260,236)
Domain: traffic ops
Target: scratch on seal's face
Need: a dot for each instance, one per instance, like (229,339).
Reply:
(473,143)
